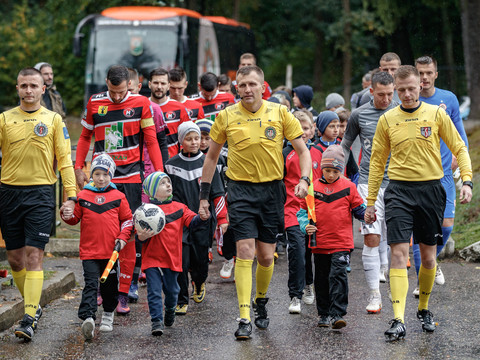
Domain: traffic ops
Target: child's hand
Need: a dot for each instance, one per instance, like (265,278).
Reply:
(310,229)
(66,213)
(144,234)
(122,243)
(223,227)
(203,210)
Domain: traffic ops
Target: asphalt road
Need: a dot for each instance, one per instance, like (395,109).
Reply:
(206,332)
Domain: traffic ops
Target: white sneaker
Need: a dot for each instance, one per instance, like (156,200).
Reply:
(88,328)
(374,302)
(439,278)
(226,270)
(308,294)
(107,322)
(295,306)
(416,292)
(383,274)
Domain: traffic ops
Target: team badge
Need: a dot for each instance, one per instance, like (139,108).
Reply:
(102,110)
(40,129)
(426,131)
(99,199)
(170,115)
(270,133)
(219,106)
(128,112)
(328,190)
(190,113)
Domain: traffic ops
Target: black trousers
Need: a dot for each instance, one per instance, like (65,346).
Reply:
(195,261)
(92,271)
(331,283)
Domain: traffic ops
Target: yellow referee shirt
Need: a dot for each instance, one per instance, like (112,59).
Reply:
(255,140)
(413,139)
(29,143)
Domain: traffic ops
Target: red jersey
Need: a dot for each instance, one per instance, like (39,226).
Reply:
(268,91)
(165,249)
(105,216)
(213,107)
(117,128)
(174,113)
(292,176)
(194,109)
(333,206)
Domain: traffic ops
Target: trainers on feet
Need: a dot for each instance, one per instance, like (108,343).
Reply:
(416,292)
(383,274)
(260,309)
(397,330)
(133,293)
(199,295)
(374,302)
(169,316)
(324,321)
(181,309)
(426,317)
(226,270)
(210,255)
(122,307)
(338,322)
(157,328)
(142,278)
(308,294)
(439,278)
(409,264)
(295,306)
(88,328)
(38,315)
(106,324)
(244,329)
(25,329)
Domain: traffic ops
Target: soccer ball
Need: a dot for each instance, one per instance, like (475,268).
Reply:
(149,217)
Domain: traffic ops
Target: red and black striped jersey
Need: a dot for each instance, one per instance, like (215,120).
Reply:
(117,128)
(212,107)
(174,113)
(194,109)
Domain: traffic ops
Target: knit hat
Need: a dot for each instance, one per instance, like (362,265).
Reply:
(274,99)
(304,94)
(334,100)
(185,128)
(104,162)
(325,118)
(151,182)
(204,125)
(333,157)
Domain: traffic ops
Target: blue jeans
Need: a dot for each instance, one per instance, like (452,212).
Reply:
(158,280)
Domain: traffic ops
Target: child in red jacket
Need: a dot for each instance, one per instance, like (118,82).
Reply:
(105,220)
(162,253)
(336,199)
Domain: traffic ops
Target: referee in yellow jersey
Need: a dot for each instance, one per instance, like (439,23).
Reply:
(254,130)
(414,199)
(30,138)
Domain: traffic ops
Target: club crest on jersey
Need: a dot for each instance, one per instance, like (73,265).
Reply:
(102,110)
(219,106)
(99,199)
(170,115)
(328,190)
(190,113)
(426,131)
(270,133)
(40,129)
(128,112)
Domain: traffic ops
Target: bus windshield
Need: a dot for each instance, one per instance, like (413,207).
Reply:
(143,48)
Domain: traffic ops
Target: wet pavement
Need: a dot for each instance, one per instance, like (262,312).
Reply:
(206,332)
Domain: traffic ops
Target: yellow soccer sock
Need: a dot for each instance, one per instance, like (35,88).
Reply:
(263,276)
(19,278)
(33,291)
(426,278)
(243,283)
(399,289)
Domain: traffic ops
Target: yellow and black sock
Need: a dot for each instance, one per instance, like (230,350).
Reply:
(399,289)
(426,278)
(263,277)
(33,291)
(19,278)
(243,283)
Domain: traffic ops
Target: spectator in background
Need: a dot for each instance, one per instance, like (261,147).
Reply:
(334,101)
(225,84)
(51,99)
(302,98)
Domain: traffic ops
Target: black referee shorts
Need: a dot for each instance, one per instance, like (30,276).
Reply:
(415,206)
(26,215)
(256,210)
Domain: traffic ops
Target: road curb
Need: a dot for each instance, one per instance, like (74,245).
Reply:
(61,283)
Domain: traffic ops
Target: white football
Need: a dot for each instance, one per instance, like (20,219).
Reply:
(149,217)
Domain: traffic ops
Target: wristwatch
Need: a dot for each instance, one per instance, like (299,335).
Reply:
(468,183)
(307,179)
(73,198)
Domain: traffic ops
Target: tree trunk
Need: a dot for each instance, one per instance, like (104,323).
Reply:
(448,50)
(347,52)
(471,51)
(318,61)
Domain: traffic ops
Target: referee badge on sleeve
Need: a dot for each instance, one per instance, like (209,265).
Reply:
(40,129)
(426,131)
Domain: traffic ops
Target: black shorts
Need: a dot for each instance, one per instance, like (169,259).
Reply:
(256,210)
(133,193)
(415,206)
(26,215)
